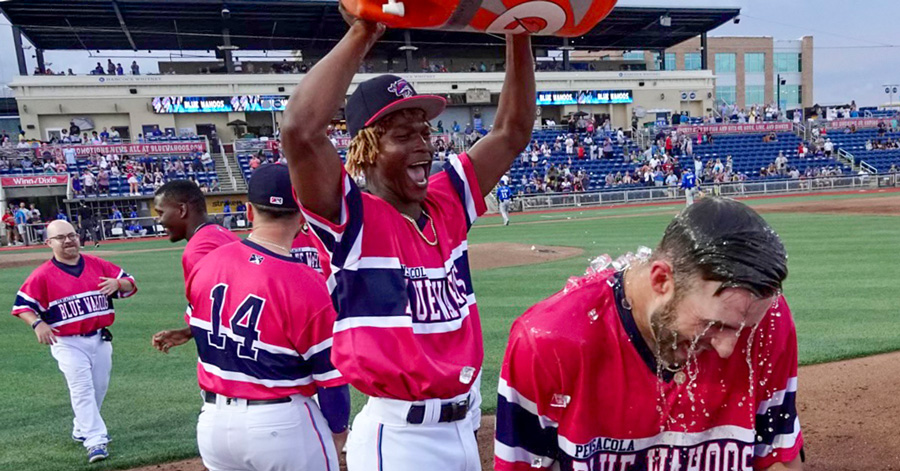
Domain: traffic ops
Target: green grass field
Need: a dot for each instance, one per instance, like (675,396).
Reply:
(841,288)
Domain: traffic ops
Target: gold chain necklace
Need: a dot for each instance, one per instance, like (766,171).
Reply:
(416,226)
(267,242)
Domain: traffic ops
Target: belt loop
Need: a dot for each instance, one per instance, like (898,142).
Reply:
(432,412)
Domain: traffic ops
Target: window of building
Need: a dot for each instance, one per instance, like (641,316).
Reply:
(755,62)
(755,95)
(633,56)
(790,95)
(725,63)
(670,61)
(727,94)
(692,61)
(787,62)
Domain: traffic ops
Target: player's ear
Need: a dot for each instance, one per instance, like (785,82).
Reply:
(662,277)
(250,214)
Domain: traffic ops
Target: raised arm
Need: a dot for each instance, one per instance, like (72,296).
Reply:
(314,162)
(493,155)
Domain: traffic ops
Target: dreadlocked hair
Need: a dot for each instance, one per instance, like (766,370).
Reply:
(363,149)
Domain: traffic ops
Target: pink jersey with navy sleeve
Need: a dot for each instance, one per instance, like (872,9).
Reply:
(408,325)
(262,324)
(308,250)
(579,389)
(68,298)
(206,238)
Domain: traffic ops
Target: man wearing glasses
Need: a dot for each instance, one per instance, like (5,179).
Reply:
(67,301)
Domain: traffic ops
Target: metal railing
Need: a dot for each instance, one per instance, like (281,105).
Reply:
(661,194)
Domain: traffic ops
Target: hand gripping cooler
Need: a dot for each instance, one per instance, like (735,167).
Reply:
(539,17)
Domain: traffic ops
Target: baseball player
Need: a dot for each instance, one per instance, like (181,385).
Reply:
(688,183)
(67,301)
(408,333)
(504,195)
(181,209)
(684,360)
(264,347)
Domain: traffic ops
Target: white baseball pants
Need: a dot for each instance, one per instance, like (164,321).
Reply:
(382,440)
(86,363)
(689,196)
(292,436)
(504,211)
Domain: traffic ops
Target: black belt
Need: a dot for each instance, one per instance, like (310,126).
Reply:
(449,412)
(90,334)
(210,398)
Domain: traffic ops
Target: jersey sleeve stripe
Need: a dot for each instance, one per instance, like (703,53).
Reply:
(344,240)
(519,428)
(30,301)
(513,455)
(321,346)
(329,376)
(126,276)
(510,395)
(777,398)
(780,442)
(457,175)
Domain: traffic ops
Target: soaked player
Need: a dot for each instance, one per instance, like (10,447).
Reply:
(686,361)
(408,333)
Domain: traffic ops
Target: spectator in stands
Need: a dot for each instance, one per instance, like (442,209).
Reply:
(214,185)
(254,163)
(829,148)
(119,70)
(133,183)
(60,215)
(207,162)
(95,138)
(135,68)
(114,134)
(147,183)
(98,70)
(227,215)
(104,135)
(607,148)
(90,183)
(110,67)
(103,181)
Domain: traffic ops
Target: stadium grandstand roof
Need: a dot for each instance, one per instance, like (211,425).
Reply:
(307,25)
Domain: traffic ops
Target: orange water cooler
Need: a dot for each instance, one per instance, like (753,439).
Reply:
(540,17)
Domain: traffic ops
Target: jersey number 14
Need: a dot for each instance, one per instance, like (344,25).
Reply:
(243,323)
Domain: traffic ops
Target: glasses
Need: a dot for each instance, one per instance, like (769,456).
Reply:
(64,237)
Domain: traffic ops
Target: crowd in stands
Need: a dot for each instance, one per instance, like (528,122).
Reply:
(103,175)
(111,69)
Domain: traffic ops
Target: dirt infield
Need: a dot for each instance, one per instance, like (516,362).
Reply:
(26,259)
(882,205)
(496,255)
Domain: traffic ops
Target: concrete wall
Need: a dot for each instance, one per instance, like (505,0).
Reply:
(49,101)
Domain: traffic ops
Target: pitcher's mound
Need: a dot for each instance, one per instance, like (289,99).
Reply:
(496,255)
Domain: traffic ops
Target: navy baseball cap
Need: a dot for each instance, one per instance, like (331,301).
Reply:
(270,185)
(379,96)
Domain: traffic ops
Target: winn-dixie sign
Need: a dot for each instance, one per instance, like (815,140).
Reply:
(736,128)
(35,180)
(128,149)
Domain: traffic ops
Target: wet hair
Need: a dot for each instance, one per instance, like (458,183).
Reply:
(363,149)
(720,239)
(271,212)
(184,191)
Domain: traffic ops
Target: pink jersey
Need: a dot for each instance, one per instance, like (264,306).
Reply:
(579,387)
(68,298)
(308,250)
(408,325)
(206,238)
(258,336)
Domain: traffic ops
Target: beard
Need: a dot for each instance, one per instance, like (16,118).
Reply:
(662,323)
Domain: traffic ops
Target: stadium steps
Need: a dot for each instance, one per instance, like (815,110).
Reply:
(232,181)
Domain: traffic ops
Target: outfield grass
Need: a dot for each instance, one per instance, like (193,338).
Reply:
(841,289)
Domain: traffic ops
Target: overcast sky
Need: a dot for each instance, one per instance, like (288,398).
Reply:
(857,43)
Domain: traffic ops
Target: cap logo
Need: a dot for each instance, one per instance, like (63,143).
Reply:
(276,200)
(402,89)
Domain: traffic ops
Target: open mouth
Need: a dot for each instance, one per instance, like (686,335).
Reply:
(418,172)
